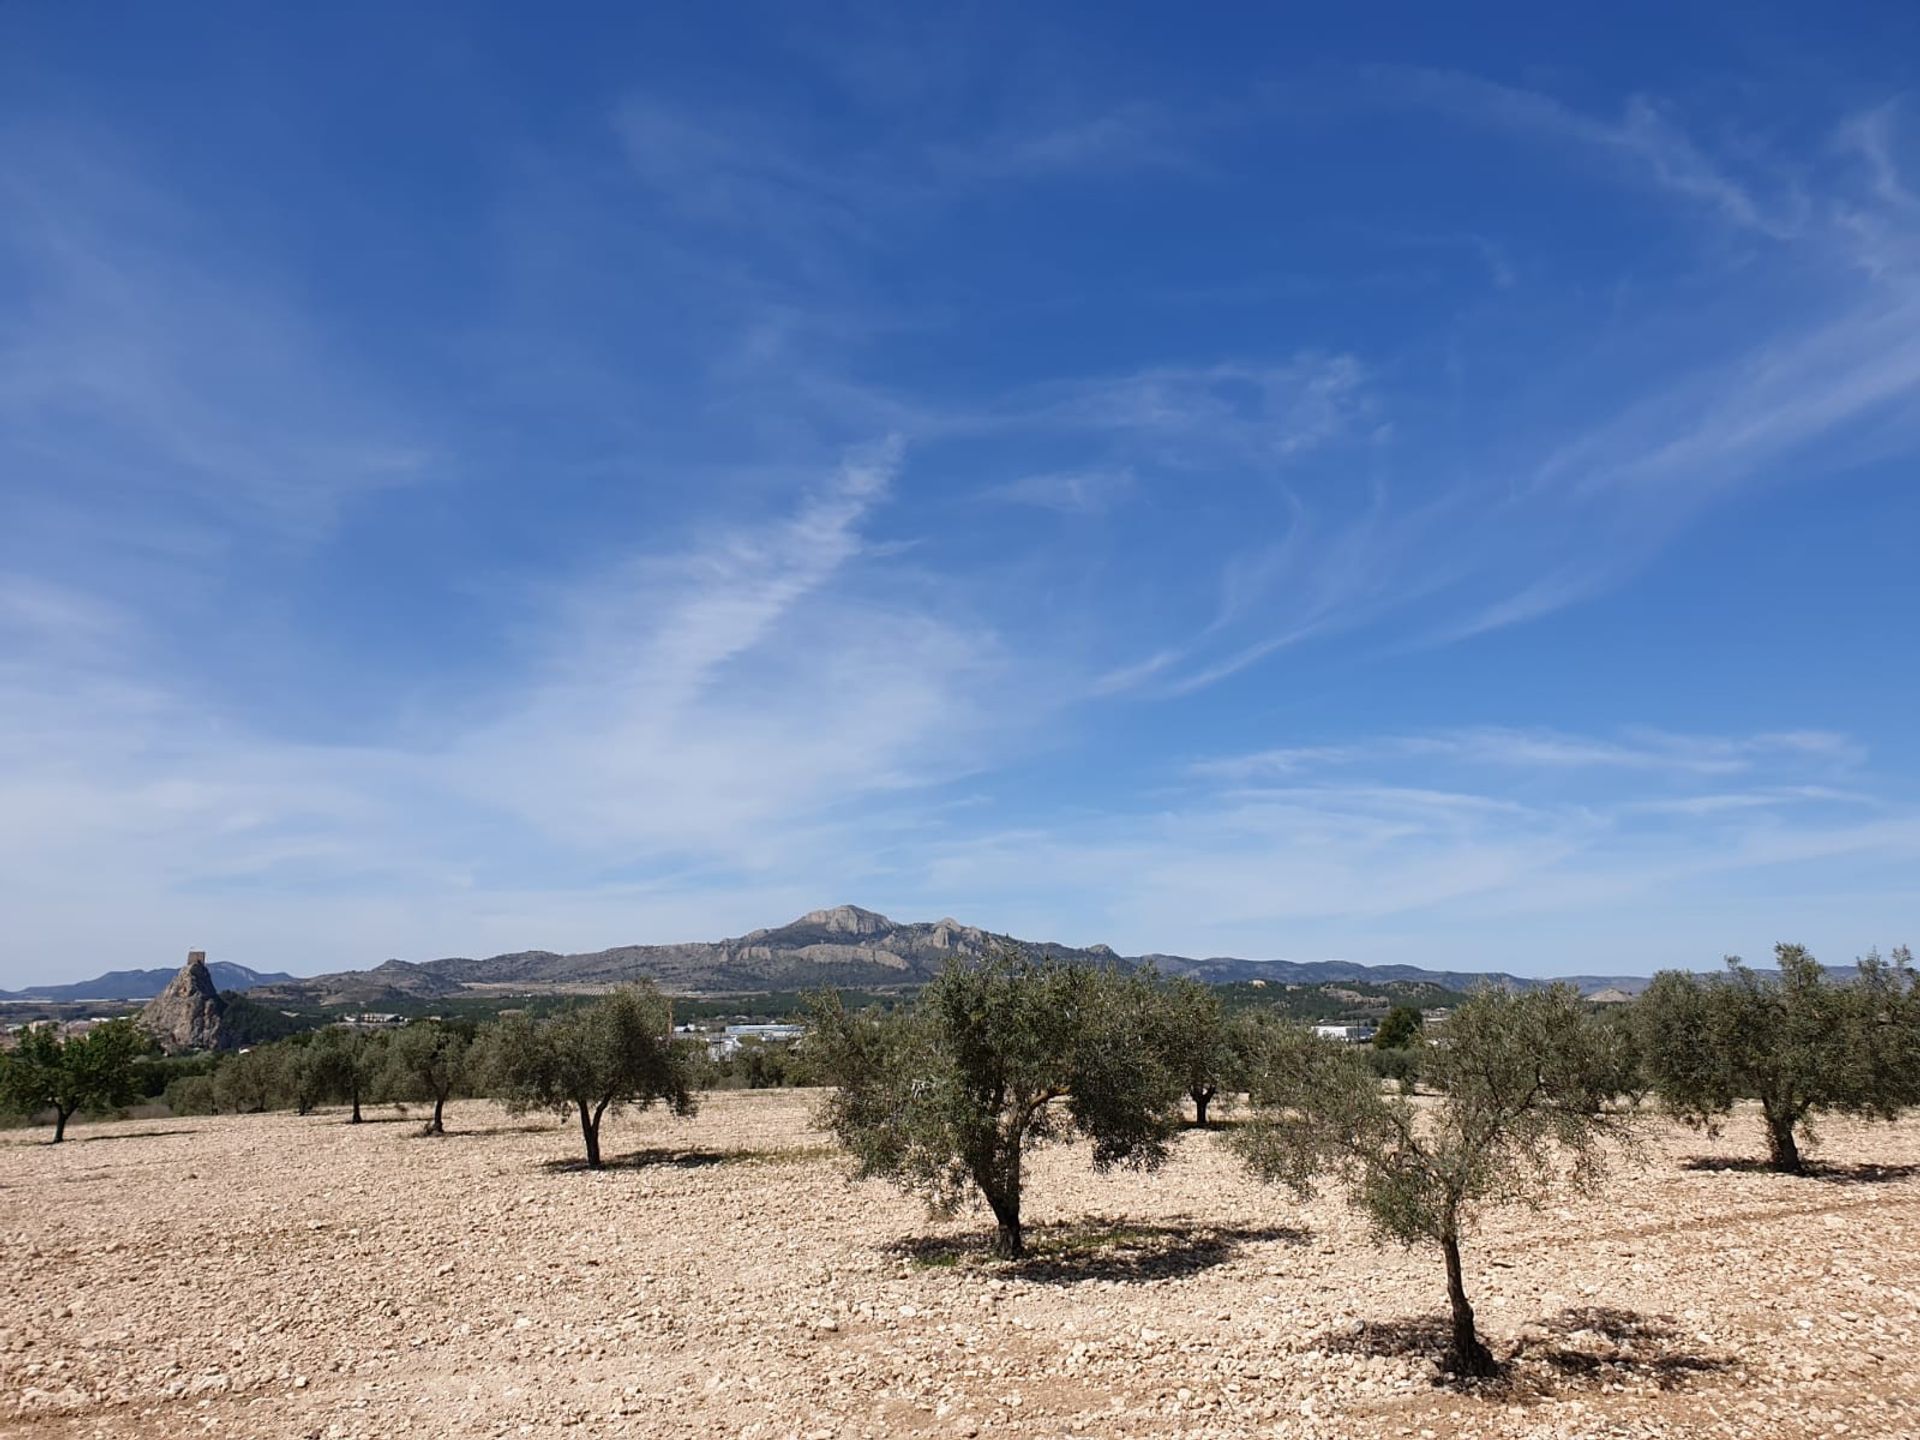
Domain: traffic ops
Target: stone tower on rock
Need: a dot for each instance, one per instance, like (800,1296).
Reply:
(186,1015)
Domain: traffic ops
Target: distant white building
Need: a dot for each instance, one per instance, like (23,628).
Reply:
(728,1040)
(1361,1034)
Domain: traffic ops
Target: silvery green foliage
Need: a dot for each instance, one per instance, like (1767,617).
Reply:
(945,1098)
(70,1074)
(1798,1042)
(1199,1041)
(1523,1106)
(428,1061)
(600,1057)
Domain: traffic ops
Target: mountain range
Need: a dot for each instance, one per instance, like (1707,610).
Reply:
(145,984)
(843,946)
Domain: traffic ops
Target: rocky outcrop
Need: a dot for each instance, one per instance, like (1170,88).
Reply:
(187,1014)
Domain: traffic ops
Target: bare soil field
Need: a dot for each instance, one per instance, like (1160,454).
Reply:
(269,1276)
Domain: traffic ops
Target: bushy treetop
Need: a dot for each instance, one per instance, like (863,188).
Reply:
(1799,1042)
(995,1056)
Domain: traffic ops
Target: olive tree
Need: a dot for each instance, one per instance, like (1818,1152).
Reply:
(352,1062)
(1522,1107)
(617,1051)
(428,1061)
(298,1073)
(1198,1043)
(994,1057)
(1798,1042)
(69,1074)
(247,1081)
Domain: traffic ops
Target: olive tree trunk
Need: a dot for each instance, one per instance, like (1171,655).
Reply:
(1001,1185)
(1783,1150)
(1201,1099)
(1008,1241)
(1465,1354)
(590,1117)
(60,1117)
(434,1127)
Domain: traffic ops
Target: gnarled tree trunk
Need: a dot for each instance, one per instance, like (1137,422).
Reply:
(1201,1099)
(1008,1241)
(1783,1150)
(60,1117)
(1465,1354)
(1000,1183)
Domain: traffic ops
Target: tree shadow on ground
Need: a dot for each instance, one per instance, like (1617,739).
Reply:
(1833,1174)
(1584,1347)
(668,1157)
(1077,1251)
(125,1135)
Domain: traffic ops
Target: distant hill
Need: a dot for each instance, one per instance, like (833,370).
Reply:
(844,946)
(145,984)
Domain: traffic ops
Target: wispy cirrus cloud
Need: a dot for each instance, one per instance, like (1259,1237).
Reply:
(1824,355)
(685,642)
(1194,416)
(698,703)
(149,364)
(1421,844)
(729,712)
(1070,492)
(1495,746)
(1645,140)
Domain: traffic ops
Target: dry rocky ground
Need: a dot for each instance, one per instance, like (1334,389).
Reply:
(274,1276)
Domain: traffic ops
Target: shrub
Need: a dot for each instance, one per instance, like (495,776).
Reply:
(1399,1029)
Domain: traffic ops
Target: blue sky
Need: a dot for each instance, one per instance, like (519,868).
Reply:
(1428,489)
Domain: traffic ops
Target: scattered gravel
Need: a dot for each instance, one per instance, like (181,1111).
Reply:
(275,1276)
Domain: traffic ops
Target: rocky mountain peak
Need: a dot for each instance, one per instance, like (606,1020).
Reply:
(847,920)
(186,1015)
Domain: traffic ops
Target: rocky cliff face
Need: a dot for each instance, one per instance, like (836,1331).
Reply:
(186,1015)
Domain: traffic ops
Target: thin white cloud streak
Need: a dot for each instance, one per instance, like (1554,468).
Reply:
(1645,141)
(739,715)
(1589,512)
(1243,866)
(1192,416)
(785,178)
(1068,492)
(647,730)
(1651,751)
(1636,478)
